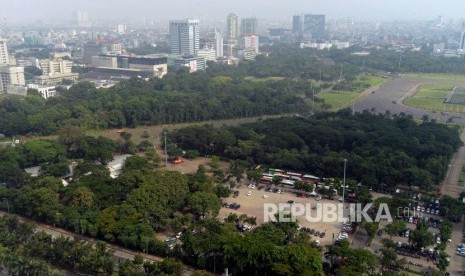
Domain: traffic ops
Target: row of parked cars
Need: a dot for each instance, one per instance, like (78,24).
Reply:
(233,205)
(344,234)
(313,232)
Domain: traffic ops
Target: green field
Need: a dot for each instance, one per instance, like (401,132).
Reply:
(432,96)
(340,99)
(436,76)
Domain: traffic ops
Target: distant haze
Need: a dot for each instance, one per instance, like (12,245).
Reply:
(28,11)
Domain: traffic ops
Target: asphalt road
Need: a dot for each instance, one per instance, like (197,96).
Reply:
(390,96)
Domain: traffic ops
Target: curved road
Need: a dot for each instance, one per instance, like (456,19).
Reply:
(390,96)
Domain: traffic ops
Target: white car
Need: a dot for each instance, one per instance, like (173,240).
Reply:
(265,196)
(438,240)
(251,186)
(249,193)
(178,236)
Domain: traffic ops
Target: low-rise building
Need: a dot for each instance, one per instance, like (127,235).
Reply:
(190,62)
(155,64)
(56,79)
(45,91)
(52,67)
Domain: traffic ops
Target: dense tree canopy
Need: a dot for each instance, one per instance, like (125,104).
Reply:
(391,150)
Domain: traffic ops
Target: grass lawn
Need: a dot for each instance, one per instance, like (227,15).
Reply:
(432,96)
(436,76)
(373,81)
(338,99)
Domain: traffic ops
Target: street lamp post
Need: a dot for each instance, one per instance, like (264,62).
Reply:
(344,183)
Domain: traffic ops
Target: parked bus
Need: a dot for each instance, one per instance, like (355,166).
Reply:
(294,174)
(288,182)
(266,179)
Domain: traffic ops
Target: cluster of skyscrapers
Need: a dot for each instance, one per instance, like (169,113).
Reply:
(242,42)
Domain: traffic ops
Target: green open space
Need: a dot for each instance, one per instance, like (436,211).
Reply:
(340,99)
(436,76)
(432,96)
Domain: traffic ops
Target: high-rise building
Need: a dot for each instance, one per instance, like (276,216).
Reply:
(297,24)
(121,29)
(184,37)
(82,19)
(232,26)
(461,42)
(250,42)
(11,76)
(4,59)
(249,26)
(218,44)
(314,26)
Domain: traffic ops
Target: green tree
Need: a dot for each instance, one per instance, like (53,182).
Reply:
(205,204)
(395,227)
(421,237)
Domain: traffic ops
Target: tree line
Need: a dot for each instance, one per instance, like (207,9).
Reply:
(380,148)
(176,98)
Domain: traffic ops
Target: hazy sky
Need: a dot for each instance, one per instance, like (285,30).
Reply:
(15,11)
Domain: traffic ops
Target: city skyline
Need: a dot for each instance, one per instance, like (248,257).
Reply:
(29,11)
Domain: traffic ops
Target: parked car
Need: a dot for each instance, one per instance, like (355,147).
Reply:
(249,193)
(236,194)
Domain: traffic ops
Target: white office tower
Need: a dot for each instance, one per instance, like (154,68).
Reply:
(4,59)
(184,37)
(218,44)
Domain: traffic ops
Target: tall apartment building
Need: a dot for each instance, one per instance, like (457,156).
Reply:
(4,58)
(309,25)
(184,37)
(82,19)
(249,26)
(218,44)
(297,24)
(232,26)
(250,42)
(461,42)
(51,67)
(10,77)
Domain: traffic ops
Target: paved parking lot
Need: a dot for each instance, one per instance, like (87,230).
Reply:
(253,206)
